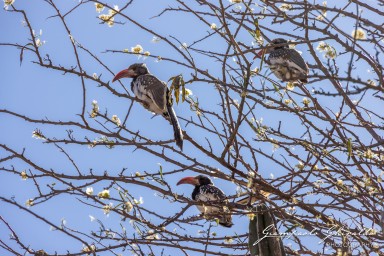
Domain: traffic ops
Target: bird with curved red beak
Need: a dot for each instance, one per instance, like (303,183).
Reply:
(125,73)
(205,191)
(286,63)
(153,95)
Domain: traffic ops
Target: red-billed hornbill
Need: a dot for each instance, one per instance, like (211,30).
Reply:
(287,64)
(153,95)
(205,191)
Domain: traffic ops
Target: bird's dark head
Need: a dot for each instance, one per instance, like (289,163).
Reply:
(132,71)
(196,181)
(277,43)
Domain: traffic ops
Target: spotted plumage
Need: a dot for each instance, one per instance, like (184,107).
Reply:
(205,191)
(153,95)
(287,64)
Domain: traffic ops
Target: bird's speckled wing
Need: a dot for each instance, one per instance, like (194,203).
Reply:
(210,193)
(289,57)
(296,58)
(155,89)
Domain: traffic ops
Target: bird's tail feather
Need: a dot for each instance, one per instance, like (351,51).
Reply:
(226,218)
(176,126)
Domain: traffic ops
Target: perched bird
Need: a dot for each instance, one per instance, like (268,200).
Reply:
(205,191)
(153,95)
(287,64)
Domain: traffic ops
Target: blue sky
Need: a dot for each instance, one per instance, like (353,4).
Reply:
(43,93)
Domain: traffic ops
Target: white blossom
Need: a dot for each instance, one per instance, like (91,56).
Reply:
(89,191)
(107,208)
(359,34)
(7,3)
(104,194)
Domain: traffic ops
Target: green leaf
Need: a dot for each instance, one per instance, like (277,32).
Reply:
(172,78)
(22,52)
(161,172)
(183,91)
(349,148)
(258,32)
(177,95)
(177,81)
(276,88)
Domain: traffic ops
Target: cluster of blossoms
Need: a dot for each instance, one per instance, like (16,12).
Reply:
(152,236)
(187,92)
(306,101)
(138,174)
(38,41)
(184,46)
(89,249)
(291,210)
(255,71)
(285,7)
(107,208)
(300,165)
(107,18)
(103,140)
(371,82)
(155,39)
(290,86)
(140,201)
(359,34)
(128,206)
(99,7)
(7,3)
(323,14)
(116,120)
(37,134)
(29,202)
(138,50)
(228,240)
(89,191)
(251,176)
(104,194)
(24,175)
(95,109)
(329,51)
(259,41)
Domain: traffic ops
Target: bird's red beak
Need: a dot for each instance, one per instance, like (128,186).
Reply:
(188,180)
(259,54)
(124,73)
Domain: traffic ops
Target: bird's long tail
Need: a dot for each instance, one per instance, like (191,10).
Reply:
(226,218)
(176,126)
